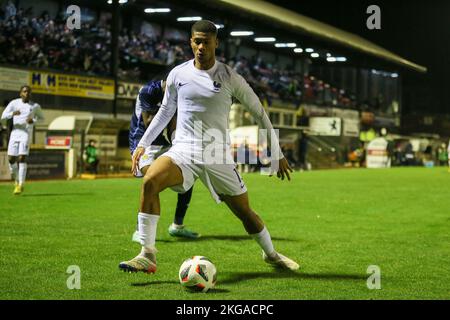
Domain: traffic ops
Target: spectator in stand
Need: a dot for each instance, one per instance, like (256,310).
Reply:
(92,157)
(42,41)
(443,155)
(10,10)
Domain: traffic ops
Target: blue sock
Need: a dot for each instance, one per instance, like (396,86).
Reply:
(182,205)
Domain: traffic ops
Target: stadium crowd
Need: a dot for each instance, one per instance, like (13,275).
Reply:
(41,41)
(271,82)
(45,42)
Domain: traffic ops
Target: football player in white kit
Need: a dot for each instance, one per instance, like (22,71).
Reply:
(202,89)
(24,113)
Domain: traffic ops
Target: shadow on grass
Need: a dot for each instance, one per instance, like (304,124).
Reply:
(287,274)
(229,238)
(56,194)
(154,283)
(275,274)
(215,290)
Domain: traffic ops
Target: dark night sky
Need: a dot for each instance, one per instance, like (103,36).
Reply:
(416,30)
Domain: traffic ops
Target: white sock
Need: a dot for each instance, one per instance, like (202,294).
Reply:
(147,224)
(264,241)
(22,172)
(13,168)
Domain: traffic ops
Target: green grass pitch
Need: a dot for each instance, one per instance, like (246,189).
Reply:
(334,223)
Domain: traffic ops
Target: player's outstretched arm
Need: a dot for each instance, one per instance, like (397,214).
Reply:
(251,102)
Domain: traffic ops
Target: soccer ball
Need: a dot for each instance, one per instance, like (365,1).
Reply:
(198,274)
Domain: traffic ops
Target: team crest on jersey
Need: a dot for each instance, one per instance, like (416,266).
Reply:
(217,86)
(145,157)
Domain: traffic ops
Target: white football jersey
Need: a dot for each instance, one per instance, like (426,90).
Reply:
(21,129)
(204,99)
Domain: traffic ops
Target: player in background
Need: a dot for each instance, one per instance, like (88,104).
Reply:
(202,89)
(147,105)
(24,114)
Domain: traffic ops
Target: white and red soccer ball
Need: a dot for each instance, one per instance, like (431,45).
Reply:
(198,273)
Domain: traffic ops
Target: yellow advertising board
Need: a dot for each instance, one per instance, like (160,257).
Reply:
(71,85)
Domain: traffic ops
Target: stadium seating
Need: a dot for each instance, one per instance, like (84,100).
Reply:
(41,41)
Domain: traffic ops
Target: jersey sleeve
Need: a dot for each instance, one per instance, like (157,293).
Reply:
(164,114)
(245,94)
(8,112)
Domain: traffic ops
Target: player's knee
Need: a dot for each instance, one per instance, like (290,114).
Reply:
(246,215)
(12,160)
(150,185)
(22,159)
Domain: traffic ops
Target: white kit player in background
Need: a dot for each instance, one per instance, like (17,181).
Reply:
(24,113)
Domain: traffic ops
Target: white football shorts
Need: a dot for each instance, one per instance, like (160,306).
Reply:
(219,179)
(150,155)
(18,148)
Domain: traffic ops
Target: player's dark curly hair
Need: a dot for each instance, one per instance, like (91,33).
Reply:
(205,26)
(25,86)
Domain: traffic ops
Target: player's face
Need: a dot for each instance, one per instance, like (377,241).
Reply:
(204,47)
(25,94)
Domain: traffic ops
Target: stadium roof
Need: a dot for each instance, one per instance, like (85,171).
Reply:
(321,30)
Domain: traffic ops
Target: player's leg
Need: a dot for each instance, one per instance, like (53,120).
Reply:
(14,170)
(182,205)
(144,163)
(22,160)
(162,173)
(13,152)
(177,228)
(24,150)
(255,227)
(141,172)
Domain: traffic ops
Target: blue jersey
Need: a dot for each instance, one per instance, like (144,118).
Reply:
(148,100)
